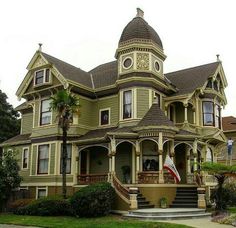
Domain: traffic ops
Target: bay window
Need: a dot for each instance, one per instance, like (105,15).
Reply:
(45,114)
(43,159)
(208,113)
(25,158)
(127,104)
(68,159)
(217,116)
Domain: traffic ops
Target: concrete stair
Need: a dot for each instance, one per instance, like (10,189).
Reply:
(186,197)
(142,202)
(167,214)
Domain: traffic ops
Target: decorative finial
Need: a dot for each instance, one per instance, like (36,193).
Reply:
(40,46)
(218,57)
(140,13)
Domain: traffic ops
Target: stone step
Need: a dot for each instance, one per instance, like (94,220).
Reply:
(143,203)
(168,217)
(180,205)
(167,211)
(145,206)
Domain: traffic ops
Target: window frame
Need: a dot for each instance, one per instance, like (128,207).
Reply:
(68,144)
(208,113)
(46,77)
(43,112)
(41,188)
(38,159)
(124,105)
(100,116)
(23,157)
(218,117)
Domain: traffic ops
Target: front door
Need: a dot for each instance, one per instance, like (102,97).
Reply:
(180,162)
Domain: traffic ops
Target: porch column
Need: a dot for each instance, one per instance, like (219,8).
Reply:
(195,155)
(112,155)
(137,148)
(160,151)
(188,161)
(194,116)
(185,113)
(172,149)
(88,162)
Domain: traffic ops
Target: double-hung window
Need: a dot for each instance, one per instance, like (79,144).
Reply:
(208,113)
(217,116)
(42,76)
(25,158)
(127,104)
(68,159)
(43,159)
(45,115)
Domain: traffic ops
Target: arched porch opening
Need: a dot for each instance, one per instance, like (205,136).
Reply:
(181,159)
(125,162)
(93,165)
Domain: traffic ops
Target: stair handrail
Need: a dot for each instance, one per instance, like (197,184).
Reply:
(120,189)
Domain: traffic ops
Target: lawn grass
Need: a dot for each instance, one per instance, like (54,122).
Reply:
(72,222)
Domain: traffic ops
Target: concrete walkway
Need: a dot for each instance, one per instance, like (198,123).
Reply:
(199,223)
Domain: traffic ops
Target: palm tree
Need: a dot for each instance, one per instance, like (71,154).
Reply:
(65,104)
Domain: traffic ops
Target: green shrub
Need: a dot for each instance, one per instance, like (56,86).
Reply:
(46,207)
(19,203)
(94,200)
(231,188)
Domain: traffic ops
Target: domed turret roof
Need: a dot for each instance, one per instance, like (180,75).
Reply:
(138,28)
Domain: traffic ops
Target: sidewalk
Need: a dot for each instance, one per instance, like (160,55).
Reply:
(199,223)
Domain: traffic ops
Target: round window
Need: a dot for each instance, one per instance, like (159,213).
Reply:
(127,62)
(157,66)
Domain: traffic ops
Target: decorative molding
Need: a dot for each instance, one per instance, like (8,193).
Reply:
(142,61)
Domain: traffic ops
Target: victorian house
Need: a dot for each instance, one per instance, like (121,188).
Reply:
(132,115)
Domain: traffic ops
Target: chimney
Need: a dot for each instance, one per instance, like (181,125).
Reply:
(140,13)
(218,58)
(40,47)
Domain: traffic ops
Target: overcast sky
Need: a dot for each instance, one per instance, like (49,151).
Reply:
(86,34)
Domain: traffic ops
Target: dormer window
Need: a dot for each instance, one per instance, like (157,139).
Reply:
(42,76)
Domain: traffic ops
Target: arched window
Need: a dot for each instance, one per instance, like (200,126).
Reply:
(209,156)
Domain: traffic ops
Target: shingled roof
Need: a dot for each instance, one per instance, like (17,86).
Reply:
(19,139)
(229,123)
(190,79)
(105,74)
(69,71)
(155,117)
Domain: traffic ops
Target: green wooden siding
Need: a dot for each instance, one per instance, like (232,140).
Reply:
(34,162)
(37,111)
(142,102)
(52,159)
(27,123)
(99,161)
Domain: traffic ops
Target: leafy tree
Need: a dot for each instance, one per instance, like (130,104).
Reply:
(9,176)
(10,125)
(221,172)
(65,104)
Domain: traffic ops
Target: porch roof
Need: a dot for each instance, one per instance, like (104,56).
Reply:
(17,140)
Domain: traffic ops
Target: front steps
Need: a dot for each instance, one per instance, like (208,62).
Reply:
(167,214)
(143,203)
(186,197)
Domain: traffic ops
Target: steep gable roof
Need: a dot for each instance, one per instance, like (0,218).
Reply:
(69,71)
(188,80)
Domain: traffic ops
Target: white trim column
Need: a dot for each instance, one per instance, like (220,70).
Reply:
(160,152)
(185,113)
(87,161)
(195,155)
(137,150)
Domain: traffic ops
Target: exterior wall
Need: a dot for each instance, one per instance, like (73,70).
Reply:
(142,102)
(190,115)
(26,123)
(154,193)
(179,112)
(99,161)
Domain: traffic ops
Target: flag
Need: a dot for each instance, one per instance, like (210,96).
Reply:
(170,166)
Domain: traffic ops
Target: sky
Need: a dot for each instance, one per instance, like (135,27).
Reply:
(86,34)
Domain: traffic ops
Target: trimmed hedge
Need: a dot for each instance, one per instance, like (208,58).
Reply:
(19,203)
(46,207)
(94,200)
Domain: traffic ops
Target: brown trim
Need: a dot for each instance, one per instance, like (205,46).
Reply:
(38,160)
(52,138)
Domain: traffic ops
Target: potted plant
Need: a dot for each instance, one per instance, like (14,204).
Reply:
(163,202)
(126,173)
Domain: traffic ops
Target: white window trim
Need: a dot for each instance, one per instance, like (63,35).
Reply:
(134,104)
(24,188)
(23,149)
(39,117)
(109,116)
(49,159)
(41,188)
(44,77)
(132,62)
